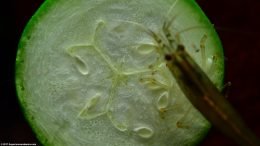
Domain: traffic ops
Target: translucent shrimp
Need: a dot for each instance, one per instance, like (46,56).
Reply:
(199,89)
(197,86)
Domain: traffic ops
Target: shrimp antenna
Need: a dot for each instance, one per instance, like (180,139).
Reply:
(191,28)
(147,30)
(171,8)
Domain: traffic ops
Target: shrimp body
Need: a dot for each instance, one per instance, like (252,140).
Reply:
(204,95)
(201,92)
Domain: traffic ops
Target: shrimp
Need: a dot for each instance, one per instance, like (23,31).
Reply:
(200,90)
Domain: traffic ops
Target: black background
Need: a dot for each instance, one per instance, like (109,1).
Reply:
(237,22)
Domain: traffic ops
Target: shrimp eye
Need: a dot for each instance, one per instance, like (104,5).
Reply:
(168,57)
(180,47)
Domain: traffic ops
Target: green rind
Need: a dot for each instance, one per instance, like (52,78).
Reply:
(20,66)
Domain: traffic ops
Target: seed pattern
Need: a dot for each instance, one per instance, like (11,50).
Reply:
(79,61)
(88,111)
(154,79)
(163,100)
(144,132)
